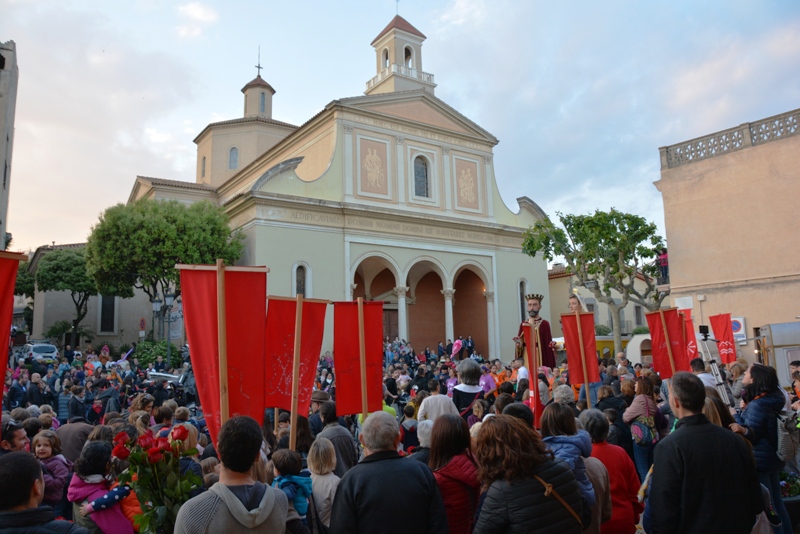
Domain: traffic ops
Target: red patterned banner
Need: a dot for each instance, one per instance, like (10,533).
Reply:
(572,343)
(723,333)
(279,361)
(690,338)
(245,308)
(9,264)
(346,351)
(533,363)
(674,328)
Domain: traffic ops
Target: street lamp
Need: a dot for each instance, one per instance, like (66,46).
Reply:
(169,297)
(591,284)
(156,302)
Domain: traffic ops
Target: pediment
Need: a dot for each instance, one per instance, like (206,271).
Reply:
(421,107)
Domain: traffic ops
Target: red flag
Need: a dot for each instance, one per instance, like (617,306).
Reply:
(573,342)
(532,363)
(245,308)
(689,335)
(279,365)
(723,332)
(9,265)
(674,326)
(347,357)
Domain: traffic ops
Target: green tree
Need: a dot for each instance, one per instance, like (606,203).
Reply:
(25,285)
(65,270)
(59,329)
(138,245)
(605,251)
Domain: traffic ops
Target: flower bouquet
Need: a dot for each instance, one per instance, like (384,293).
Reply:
(154,475)
(790,485)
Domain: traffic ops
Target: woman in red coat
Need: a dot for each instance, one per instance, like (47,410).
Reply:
(624,482)
(456,471)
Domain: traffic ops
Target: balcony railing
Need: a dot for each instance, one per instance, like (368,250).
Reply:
(403,71)
(730,140)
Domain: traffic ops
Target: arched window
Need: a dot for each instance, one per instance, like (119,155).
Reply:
(421,177)
(263,104)
(203,168)
(300,280)
(233,158)
(523,304)
(385,59)
(409,58)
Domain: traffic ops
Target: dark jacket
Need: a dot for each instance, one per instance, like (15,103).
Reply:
(36,395)
(421,454)
(17,396)
(73,437)
(760,419)
(110,399)
(316,424)
(365,496)
(704,481)
(76,407)
(521,506)
(40,520)
(623,429)
(344,445)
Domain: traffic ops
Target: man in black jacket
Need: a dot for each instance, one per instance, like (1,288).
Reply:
(366,495)
(704,476)
(20,500)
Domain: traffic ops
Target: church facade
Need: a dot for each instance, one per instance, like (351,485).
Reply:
(388,196)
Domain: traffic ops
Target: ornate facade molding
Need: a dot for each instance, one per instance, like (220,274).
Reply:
(348,128)
(448,293)
(400,291)
(489,295)
(730,140)
(446,150)
(487,159)
(400,140)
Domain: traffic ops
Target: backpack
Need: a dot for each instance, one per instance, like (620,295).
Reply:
(643,430)
(788,435)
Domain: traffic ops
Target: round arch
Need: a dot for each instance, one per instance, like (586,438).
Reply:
(435,265)
(475,268)
(389,264)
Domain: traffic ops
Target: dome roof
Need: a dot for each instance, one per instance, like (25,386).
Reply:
(258,82)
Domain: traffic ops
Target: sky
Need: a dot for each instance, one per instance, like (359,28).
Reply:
(581,94)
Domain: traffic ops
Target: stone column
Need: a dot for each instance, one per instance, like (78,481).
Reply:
(490,345)
(448,313)
(353,291)
(402,319)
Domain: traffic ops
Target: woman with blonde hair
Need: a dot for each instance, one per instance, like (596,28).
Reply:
(737,377)
(186,435)
(321,463)
(141,420)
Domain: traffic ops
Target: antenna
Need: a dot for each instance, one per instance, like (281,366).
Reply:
(398,6)
(259,67)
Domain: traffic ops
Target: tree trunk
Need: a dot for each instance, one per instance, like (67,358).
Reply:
(616,327)
(74,337)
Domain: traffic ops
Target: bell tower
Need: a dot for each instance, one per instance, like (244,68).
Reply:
(398,58)
(258,95)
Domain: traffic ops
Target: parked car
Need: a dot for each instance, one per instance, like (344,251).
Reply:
(40,351)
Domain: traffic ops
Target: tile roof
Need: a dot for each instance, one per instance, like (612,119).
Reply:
(177,183)
(258,81)
(399,23)
(558,270)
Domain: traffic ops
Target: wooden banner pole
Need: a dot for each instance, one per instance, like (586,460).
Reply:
(362,352)
(298,331)
(583,355)
(533,385)
(666,336)
(277,415)
(222,340)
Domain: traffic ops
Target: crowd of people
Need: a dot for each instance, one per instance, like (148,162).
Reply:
(456,448)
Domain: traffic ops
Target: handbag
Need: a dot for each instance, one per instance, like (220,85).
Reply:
(471,404)
(643,429)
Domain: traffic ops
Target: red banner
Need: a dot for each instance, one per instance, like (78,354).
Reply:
(245,309)
(723,333)
(8,279)
(674,329)
(690,338)
(347,356)
(532,363)
(577,359)
(279,363)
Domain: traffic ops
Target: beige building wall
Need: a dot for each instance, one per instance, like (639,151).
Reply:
(731,212)
(9,78)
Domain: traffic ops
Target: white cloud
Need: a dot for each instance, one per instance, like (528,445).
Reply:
(197,18)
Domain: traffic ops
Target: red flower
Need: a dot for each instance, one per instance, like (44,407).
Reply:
(147,441)
(180,433)
(121,438)
(164,444)
(121,451)
(154,455)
